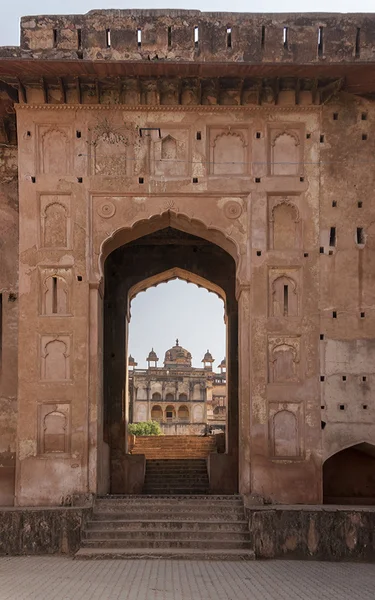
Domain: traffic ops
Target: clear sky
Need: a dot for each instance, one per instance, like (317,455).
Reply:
(10,12)
(175,309)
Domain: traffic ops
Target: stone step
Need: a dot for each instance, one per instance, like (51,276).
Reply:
(167,525)
(176,476)
(174,491)
(164,553)
(170,543)
(163,534)
(163,514)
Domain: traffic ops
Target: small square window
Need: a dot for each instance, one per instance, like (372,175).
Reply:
(342,406)
(364,406)
(141,180)
(258,135)
(334,203)
(79,179)
(360,204)
(308,136)
(335,116)
(259,253)
(199,135)
(364,136)
(334,315)
(364,378)
(322,336)
(322,139)
(257,179)
(195,179)
(322,378)
(305,254)
(344,377)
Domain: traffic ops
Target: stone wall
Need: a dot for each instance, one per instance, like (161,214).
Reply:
(313,533)
(41,531)
(8,317)
(197,36)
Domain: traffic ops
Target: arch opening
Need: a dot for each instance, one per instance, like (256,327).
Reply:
(349,476)
(162,254)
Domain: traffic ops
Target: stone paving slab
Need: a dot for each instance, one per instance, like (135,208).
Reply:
(56,578)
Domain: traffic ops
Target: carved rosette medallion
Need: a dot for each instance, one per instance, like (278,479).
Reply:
(232,209)
(106,209)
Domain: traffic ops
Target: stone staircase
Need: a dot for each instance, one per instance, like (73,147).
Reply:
(179,476)
(180,527)
(174,446)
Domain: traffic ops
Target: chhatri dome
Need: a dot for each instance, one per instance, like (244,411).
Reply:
(177,357)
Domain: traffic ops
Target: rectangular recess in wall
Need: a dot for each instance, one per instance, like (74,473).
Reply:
(108,38)
(285,37)
(320,41)
(358,43)
(196,37)
(360,236)
(332,236)
(229,37)
(79,38)
(169,37)
(54,38)
(263,37)
(139,37)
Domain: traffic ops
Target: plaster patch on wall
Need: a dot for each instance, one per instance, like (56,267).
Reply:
(26,448)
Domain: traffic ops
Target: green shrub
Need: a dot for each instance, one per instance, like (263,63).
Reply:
(146,428)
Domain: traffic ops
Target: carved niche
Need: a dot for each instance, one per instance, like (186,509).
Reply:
(170,154)
(110,151)
(284,430)
(55,291)
(141,413)
(55,222)
(284,359)
(285,150)
(54,151)
(55,357)
(285,226)
(228,150)
(284,293)
(54,428)
(198,413)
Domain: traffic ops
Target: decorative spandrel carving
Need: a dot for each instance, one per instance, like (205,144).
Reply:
(228,151)
(284,359)
(55,358)
(54,156)
(285,226)
(55,291)
(171,153)
(284,293)
(285,430)
(286,151)
(54,428)
(55,221)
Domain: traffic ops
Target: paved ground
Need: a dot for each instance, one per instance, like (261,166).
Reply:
(54,578)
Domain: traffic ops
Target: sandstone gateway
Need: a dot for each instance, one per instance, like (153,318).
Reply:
(235,151)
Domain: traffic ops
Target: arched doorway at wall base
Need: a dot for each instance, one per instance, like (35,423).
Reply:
(349,476)
(168,251)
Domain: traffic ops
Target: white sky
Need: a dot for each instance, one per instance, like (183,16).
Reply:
(175,309)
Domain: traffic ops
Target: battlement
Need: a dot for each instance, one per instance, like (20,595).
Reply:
(194,36)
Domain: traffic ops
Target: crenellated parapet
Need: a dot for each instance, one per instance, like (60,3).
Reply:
(196,36)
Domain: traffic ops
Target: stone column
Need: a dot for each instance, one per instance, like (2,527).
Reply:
(244,391)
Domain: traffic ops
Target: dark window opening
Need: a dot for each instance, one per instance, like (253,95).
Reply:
(332,236)
(305,254)
(257,179)
(363,315)
(360,236)
(33,179)
(321,250)
(79,38)
(334,315)
(108,38)
(364,378)
(54,295)
(364,406)
(139,38)
(342,406)
(360,204)
(196,37)
(258,135)
(229,37)
(322,378)
(358,43)
(78,134)
(199,135)
(286,293)
(79,277)
(308,136)
(141,180)
(259,253)
(364,137)
(263,37)
(79,179)
(320,41)
(335,116)
(334,203)
(364,116)
(322,336)
(322,139)
(54,38)
(344,377)
(302,179)
(169,37)
(195,179)
(285,37)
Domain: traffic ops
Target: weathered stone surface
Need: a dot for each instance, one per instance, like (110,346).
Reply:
(41,531)
(335,533)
